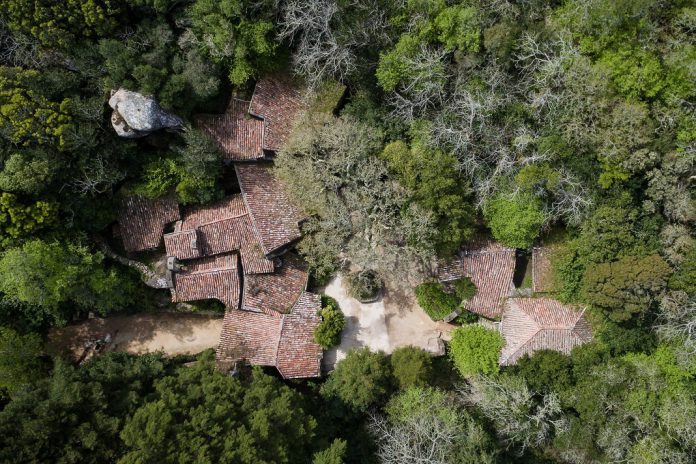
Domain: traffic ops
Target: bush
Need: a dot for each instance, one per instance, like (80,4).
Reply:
(516,222)
(475,350)
(328,332)
(411,366)
(464,288)
(435,301)
(361,380)
(364,285)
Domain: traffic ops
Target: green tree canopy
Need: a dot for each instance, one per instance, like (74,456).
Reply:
(75,414)
(411,366)
(626,287)
(475,349)
(515,221)
(232,32)
(203,415)
(53,274)
(361,380)
(19,359)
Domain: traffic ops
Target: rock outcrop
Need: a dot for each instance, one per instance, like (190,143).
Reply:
(136,115)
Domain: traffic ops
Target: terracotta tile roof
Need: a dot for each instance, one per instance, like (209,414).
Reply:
(219,228)
(238,135)
(531,324)
(278,292)
(274,217)
(286,342)
(251,336)
(278,100)
(216,277)
(142,221)
(298,355)
(542,270)
(490,266)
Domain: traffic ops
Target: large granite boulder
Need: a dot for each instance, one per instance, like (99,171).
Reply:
(136,115)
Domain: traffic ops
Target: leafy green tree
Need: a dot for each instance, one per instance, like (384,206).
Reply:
(637,407)
(411,367)
(328,332)
(27,117)
(546,371)
(627,287)
(59,25)
(426,425)
(19,359)
(459,28)
(475,349)
(435,301)
(75,415)
(28,172)
(68,273)
(19,221)
(155,60)
(515,221)
(231,34)
(361,380)
(334,454)
(203,415)
(435,184)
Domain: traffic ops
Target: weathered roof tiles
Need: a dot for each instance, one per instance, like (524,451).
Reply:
(531,324)
(490,266)
(274,217)
(285,342)
(142,221)
(238,134)
(278,100)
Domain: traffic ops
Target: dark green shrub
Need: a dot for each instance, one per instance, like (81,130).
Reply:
(328,332)
(359,381)
(411,366)
(364,285)
(435,301)
(466,317)
(464,288)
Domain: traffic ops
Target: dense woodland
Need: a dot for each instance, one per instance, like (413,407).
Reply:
(571,122)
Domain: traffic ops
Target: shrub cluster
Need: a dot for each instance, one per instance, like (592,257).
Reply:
(438,301)
(328,332)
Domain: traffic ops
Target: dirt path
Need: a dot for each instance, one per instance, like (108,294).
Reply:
(393,321)
(170,333)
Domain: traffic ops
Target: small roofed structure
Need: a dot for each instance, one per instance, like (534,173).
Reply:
(532,324)
(142,221)
(286,342)
(274,218)
(490,266)
(277,100)
(238,134)
(216,277)
(222,227)
(276,293)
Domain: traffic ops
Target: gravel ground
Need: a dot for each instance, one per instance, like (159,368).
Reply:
(393,321)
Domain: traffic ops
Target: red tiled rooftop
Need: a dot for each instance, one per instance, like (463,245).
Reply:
(273,216)
(209,278)
(286,342)
(142,221)
(219,228)
(250,336)
(239,135)
(298,354)
(490,266)
(532,324)
(278,100)
(278,292)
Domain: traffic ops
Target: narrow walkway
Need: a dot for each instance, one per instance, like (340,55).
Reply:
(394,321)
(151,278)
(170,333)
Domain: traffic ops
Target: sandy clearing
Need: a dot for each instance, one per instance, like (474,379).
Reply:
(170,333)
(393,321)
